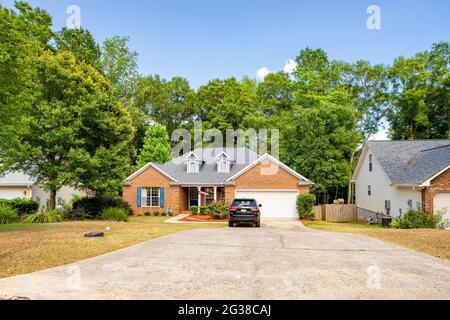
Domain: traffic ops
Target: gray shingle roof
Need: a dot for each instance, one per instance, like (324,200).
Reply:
(411,162)
(16,179)
(177,168)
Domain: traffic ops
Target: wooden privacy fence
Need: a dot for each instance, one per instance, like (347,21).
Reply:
(336,212)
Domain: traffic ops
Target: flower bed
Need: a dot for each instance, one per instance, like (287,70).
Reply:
(202,218)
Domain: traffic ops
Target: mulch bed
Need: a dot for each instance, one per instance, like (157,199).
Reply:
(201,218)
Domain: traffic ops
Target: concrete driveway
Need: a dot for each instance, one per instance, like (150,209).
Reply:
(282,260)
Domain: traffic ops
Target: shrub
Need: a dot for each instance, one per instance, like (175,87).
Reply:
(147,213)
(92,207)
(115,214)
(8,214)
(415,219)
(163,213)
(305,205)
(22,206)
(156,213)
(194,210)
(53,216)
(218,210)
(170,213)
(203,210)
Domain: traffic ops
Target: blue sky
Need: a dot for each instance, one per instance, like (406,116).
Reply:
(205,39)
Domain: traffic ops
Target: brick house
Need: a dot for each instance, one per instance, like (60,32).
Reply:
(209,175)
(401,175)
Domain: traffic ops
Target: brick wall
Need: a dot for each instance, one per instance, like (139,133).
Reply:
(256,179)
(152,178)
(439,184)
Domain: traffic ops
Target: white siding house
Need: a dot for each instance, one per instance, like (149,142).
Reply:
(381,189)
(18,185)
(394,172)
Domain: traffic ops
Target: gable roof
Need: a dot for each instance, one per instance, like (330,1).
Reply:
(411,162)
(16,179)
(277,162)
(175,170)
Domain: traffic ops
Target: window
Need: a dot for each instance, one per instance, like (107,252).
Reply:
(223,166)
(243,203)
(150,197)
(369,190)
(193,167)
(370,163)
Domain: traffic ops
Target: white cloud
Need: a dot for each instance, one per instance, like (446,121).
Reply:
(290,66)
(380,135)
(262,73)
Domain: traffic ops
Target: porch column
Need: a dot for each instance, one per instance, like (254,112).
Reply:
(199,198)
(215,194)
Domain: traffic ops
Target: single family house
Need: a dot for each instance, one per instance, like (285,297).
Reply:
(209,175)
(396,176)
(15,185)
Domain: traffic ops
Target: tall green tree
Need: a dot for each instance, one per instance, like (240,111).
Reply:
(169,103)
(24,34)
(156,146)
(81,43)
(321,142)
(225,104)
(421,106)
(73,132)
(119,65)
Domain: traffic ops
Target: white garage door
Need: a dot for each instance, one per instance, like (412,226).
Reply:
(275,204)
(441,202)
(10,194)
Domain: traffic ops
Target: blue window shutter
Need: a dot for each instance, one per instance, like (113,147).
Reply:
(139,197)
(161,197)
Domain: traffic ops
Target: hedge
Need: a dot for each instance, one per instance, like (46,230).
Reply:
(88,208)
(23,207)
(305,205)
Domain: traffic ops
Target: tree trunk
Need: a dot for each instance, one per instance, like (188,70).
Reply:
(52,202)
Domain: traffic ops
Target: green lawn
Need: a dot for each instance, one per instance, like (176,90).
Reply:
(434,242)
(26,248)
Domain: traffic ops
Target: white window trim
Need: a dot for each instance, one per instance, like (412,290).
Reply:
(144,197)
(227,166)
(196,166)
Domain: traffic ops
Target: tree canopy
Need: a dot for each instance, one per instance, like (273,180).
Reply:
(156,147)
(74,112)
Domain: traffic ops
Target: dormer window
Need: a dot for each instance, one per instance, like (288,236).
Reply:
(223,163)
(193,163)
(193,166)
(223,166)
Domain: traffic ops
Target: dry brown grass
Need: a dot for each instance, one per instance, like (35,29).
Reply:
(430,241)
(27,248)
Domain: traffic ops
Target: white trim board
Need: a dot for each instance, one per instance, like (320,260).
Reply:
(148,165)
(273,159)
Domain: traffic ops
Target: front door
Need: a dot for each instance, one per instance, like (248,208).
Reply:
(193,197)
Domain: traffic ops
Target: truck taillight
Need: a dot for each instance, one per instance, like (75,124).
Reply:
(233,209)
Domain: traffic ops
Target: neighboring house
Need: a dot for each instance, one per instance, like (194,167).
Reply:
(18,185)
(210,175)
(402,175)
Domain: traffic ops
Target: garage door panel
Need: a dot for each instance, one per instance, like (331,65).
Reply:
(441,202)
(275,204)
